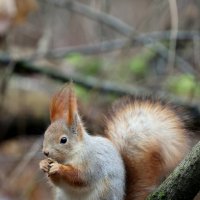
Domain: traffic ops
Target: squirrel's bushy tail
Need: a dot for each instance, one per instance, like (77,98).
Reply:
(152,136)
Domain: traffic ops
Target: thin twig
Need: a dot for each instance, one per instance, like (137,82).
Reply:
(4,83)
(116,44)
(45,40)
(174,32)
(196,42)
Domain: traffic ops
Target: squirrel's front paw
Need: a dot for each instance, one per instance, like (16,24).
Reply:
(44,165)
(54,168)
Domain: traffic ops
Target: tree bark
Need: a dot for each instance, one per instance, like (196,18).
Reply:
(184,182)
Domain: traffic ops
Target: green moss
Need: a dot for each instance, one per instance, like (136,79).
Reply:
(184,84)
(82,93)
(91,66)
(161,195)
(111,97)
(157,196)
(85,65)
(139,64)
(75,58)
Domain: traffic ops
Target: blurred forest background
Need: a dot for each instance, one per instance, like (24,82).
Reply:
(109,48)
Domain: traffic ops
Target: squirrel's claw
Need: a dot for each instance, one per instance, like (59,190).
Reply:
(44,165)
(54,168)
(50,160)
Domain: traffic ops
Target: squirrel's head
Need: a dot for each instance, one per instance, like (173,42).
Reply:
(65,133)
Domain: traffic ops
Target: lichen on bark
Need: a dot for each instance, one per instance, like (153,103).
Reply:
(184,182)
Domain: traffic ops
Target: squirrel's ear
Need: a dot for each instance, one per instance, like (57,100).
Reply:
(64,105)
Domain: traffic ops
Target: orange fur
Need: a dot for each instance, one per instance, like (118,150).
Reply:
(64,104)
(69,174)
(24,7)
(143,172)
(151,139)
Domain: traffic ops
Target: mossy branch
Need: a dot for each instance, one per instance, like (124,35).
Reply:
(24,67)
(184,182)
(27,68)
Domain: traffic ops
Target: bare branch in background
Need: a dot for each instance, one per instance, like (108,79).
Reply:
(24,67)
(45,40)
(89,49)
(4,82)
(103,86)
(196,42)
(174,32)
(104,6)
(123,28)
(116,44)
(101,17)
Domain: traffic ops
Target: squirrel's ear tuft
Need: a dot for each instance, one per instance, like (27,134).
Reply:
(71,106)
(64,105)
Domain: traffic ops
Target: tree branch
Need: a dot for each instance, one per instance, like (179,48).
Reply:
(25,67)
(112,45)
(174,32)
(99,16)
(184,182)
(122,28)
(102,86)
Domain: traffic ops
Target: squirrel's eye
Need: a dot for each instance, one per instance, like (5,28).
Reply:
(63,140)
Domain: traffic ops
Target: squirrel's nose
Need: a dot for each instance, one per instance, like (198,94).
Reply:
(46,153)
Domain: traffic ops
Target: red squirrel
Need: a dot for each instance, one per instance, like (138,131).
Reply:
(146,139)
(80,166)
